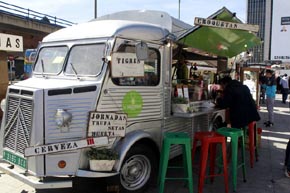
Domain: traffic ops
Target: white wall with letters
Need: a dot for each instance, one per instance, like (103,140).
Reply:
(280,43)
(10,42)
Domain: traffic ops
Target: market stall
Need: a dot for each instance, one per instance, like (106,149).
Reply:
(215,39)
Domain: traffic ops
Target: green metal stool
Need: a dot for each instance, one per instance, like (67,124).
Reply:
(235,134)
(175,138)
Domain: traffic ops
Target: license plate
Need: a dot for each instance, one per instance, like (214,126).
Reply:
(15,159)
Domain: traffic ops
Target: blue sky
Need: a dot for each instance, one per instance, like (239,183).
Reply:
(79,11)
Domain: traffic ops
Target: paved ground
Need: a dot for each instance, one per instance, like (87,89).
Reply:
(267,176)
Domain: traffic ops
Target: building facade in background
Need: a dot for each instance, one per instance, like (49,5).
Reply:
(280,30)
(273,17)
(259,13)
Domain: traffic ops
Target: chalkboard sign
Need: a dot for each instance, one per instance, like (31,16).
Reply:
(107,124)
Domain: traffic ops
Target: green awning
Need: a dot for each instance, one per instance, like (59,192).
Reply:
(220,41)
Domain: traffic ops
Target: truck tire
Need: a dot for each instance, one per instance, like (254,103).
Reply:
(138,170)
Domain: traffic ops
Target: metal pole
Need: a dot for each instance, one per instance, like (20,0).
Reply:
(96,9)
(178,9)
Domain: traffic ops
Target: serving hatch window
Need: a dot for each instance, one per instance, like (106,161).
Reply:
(51,60)
(85,60)
(143,73)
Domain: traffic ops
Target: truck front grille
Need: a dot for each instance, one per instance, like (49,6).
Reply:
(18,123)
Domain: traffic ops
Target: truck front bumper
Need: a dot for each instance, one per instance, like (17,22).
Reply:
(33,181)
(38,183)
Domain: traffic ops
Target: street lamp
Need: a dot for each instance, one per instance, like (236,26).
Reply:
(178,9)
(96,8)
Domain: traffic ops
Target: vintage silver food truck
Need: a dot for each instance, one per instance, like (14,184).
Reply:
(105,83)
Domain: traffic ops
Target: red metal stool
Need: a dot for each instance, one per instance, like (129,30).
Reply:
(209,141)
(252,135)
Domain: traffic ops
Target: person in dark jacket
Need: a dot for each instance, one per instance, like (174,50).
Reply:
(238,99)
(287,160)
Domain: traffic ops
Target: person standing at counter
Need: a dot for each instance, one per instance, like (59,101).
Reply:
(238,99)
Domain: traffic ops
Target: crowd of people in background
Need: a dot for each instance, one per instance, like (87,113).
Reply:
(284,83)
(270,85)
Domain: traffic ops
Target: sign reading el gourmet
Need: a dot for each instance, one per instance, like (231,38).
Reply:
(225,24)
(107,124)
(11,43)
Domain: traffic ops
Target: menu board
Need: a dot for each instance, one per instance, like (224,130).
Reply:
(107,124)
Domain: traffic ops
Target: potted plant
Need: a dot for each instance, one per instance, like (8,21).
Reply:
(180,105)
(102,159)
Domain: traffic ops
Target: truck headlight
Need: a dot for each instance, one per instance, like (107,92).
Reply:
(62,118)
(3,105)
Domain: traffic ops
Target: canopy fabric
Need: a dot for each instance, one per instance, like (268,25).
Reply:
(220,41)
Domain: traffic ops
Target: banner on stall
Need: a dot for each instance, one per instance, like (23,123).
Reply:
(225,24)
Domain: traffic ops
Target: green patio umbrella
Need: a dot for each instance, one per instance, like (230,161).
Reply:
(220,41)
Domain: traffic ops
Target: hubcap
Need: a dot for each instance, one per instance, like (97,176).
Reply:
(135,172)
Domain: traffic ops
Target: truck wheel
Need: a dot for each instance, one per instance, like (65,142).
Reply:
(138,170)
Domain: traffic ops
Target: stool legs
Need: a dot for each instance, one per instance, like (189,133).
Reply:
(244,158)
(204,155)
(175,139)
(256,145)
(212,154)
(235,143)
(209,141)
(235,134)
(194,148)
(224,152)
(188,166)
(251,145)
(163,167)
(252,130)
(234,161)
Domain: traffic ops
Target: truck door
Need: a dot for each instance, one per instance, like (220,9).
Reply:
(135,87)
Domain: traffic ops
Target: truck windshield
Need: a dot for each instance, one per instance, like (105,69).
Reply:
(85,60)
(50,60)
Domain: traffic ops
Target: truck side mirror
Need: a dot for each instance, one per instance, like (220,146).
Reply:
(141,50)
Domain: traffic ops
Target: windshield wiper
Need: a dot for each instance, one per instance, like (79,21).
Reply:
(74,70)
(42,67)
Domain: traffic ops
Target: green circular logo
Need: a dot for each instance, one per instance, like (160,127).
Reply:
(132,103)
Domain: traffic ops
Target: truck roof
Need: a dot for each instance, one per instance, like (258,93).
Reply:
(143,25)
(160,18)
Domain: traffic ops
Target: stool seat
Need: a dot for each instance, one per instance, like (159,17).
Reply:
(235,134)
(175,138)
(208,135)
(230,132)
(209,141)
